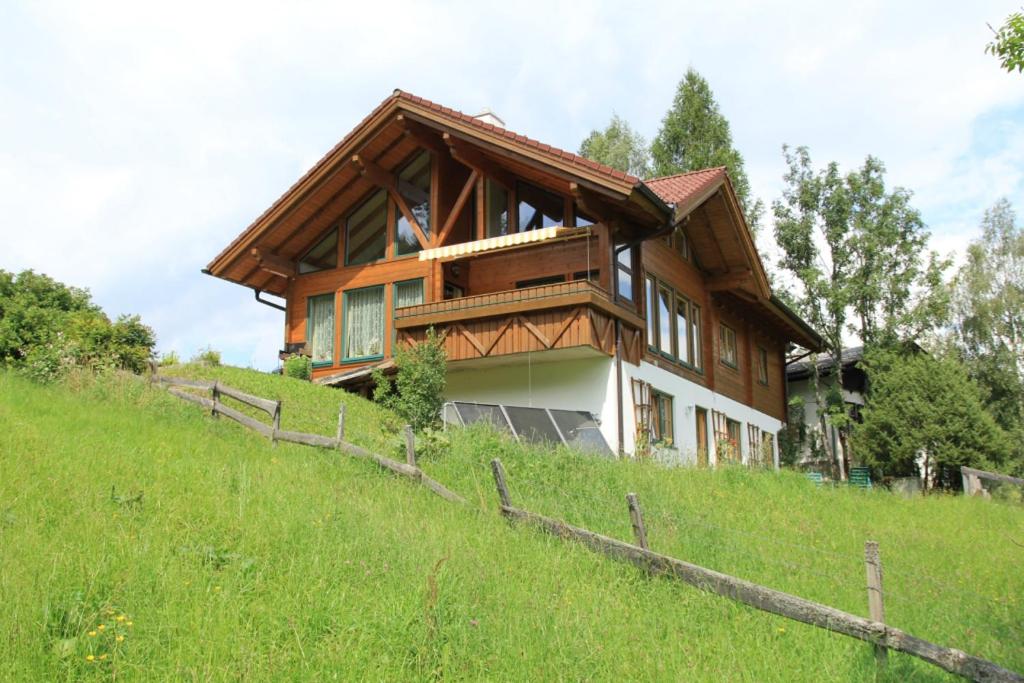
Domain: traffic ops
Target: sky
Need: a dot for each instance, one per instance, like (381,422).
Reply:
(138,139)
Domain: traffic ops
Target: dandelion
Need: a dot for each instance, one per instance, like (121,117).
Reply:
(128,623)
(121,617)
(119,639)
(782,629)
(92,634)
(89,658)
(103,656)
(101,626)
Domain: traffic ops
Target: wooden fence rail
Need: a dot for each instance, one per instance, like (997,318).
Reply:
(760,597)
(274,432)
(972,480)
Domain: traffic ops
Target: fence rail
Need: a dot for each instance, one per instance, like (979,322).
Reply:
(879,634)
(274,432)
(972,480)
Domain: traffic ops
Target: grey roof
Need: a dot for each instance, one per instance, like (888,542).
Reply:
(802,368)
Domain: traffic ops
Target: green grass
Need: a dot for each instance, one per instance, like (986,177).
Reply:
(244,561)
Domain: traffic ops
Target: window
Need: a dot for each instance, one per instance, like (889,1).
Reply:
(453,291)
(363,328)
(727,437)
(762,365)
(680,244)
(652,320)
(682,330)
(366,231)
(702,436)
(661,429)
(727,345)
(767,449)
(762,447)
(734,428)
(666,342)
(323,256)
(414,187)
(320,329)
(698,349)
(538,208)
(582,219)
(408,293)
(624,273)
(496,209)
(541,281)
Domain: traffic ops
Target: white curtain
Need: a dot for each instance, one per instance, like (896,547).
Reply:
(408,293)
(321,328)
(364,320)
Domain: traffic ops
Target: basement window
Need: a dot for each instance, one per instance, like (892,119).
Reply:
(323,256)
(661,426)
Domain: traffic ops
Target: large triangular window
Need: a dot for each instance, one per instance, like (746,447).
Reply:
(323,256)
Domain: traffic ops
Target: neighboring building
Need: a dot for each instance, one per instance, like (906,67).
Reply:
(556,281)
(800,378)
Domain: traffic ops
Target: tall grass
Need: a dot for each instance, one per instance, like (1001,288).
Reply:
(242,561)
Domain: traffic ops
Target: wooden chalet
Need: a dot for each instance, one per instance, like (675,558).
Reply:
(556,281)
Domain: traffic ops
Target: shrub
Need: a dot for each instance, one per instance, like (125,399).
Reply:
(298,366)
(417,393)
(47,328)
(208,356)
(170,358)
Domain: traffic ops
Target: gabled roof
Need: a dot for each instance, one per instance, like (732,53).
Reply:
(687,188)
(801,369)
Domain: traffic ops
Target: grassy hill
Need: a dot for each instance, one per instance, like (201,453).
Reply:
(243,561)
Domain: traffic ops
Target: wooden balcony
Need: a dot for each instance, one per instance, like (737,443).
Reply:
(535,319)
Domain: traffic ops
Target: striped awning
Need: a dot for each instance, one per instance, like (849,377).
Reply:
(502,242)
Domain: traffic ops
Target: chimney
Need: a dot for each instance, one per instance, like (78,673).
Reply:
(488,116)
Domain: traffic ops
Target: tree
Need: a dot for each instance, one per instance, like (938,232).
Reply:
(47,327)
(1008,43)
(618,146)
(988,314)
(925,416)
(694,135)
(858,255)
(417,393)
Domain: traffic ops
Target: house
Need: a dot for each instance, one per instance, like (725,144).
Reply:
(799,377)
(555,281)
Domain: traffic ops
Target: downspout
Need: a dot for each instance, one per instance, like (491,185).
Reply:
(618,384)
(268,303)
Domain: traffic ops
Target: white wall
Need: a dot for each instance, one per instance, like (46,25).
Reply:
(589,384)
(686,396)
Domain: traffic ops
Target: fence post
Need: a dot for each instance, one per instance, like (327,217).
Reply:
(499,482)
(153,369)
(636,516)
(216,397)
(410,446)
(876,604)
(341,424)
(277,424)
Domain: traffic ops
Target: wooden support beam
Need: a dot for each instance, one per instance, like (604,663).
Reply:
(460,203)
(272,263)
(727,281)
(381,178)
(636,517)
(594,205)
(424,136)
(462,153)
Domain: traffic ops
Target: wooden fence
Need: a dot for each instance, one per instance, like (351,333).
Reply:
(972,480)
(177,386)
(873,630)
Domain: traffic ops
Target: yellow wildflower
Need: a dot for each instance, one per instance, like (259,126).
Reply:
(89,658)
(92,634)
(101,626)
(216,588)
(103,656)
(119,638)
(121,617)
(128,623)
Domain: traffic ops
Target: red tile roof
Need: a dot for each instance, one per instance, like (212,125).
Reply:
(682,187)
(561,154)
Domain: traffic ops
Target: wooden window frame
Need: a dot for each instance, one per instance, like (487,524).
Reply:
(344,325)
(725,332)
(388,228)
(658,431)
(394,290)
(651,309)
(309,318)
(762,365)
(673,341)
(395,214)
(654,285)
(697,327)
(316,243)
(630,270)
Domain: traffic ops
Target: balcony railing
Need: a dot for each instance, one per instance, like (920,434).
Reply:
(543,296)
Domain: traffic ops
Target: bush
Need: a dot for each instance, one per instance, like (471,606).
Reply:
(47,328)
(417,394)
(298,366)
(169,358)
(208,356)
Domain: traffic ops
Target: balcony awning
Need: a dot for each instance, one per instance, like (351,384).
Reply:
(517,239)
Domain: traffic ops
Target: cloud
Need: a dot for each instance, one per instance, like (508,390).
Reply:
(136,140)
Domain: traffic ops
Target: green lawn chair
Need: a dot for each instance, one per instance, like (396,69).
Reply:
(815,477)
(860,477)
